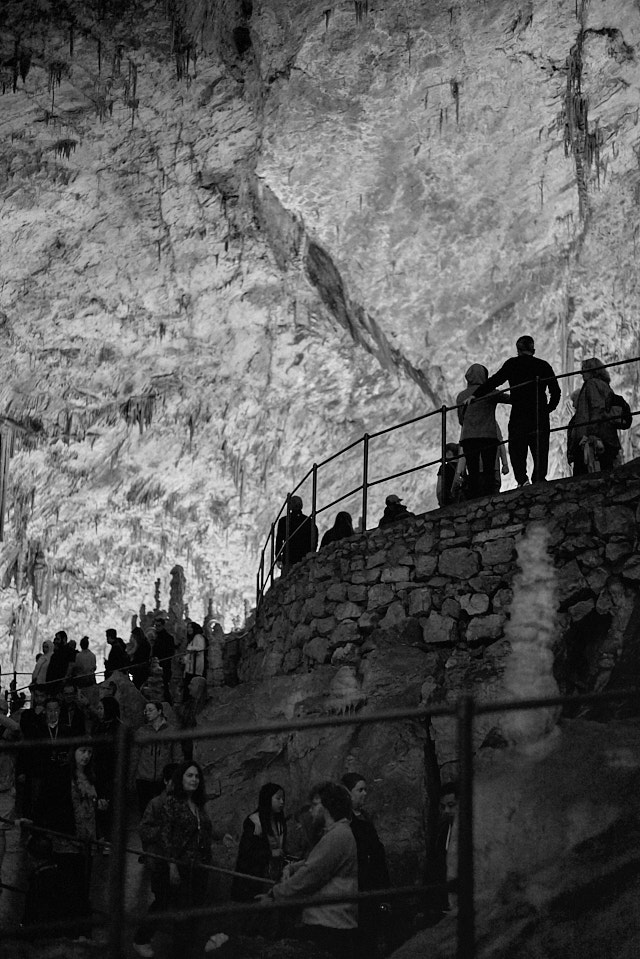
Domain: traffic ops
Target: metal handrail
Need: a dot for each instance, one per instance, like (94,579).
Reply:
(465,711)
(264,579)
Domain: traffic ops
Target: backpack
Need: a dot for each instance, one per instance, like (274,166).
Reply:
(624,419)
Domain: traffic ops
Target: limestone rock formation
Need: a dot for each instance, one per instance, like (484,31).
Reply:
(237,235)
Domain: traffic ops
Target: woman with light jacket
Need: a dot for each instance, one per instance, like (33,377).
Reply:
(154,754)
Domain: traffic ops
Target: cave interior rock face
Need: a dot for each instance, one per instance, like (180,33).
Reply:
(236,236)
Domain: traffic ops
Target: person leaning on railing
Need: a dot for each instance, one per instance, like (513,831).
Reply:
(535,393)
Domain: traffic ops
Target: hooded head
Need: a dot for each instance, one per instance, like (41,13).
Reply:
(593,367)
(476,375)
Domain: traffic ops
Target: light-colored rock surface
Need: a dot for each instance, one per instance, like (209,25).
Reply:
(210,281)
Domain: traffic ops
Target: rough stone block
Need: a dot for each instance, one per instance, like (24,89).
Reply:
(502,599)
(486,583)
(485,627)
(426,542)
(596,579)
(394,616)
(475,604)
(357,594)
(617,550)
(368,621)
(439,629)
(614,521)
(419,600)
(324,626)
(291,660)
(394,574)
(366,576)
(581,609)
(380,595)
(631,569)
(425,566)
(458,562)
(348,611)
(498,551)
(349,654)
(345,632)
(317,649)
(378,559)
(451,607)
(337,592)
(571,585)
(300,635)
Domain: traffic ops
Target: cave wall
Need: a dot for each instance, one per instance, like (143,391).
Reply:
(237,235)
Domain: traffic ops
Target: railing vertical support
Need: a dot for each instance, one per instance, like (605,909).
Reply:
(536,465)
(314,491)
(465,885)
(258,590)
(365,480)
(287,522)
(262,573)
(117,873)
(273,551)
(443,451)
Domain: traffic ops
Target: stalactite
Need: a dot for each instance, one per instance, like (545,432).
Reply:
(7,446)
(139,409)
(65,147)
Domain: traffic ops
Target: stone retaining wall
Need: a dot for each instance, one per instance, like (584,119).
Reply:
(443,582)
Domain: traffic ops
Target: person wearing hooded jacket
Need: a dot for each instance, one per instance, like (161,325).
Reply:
(593,421)
(479,436)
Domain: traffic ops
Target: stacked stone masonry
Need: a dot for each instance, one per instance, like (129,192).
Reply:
(442,583)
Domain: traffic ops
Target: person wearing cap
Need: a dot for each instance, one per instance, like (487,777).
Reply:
(394,510)
(303,536)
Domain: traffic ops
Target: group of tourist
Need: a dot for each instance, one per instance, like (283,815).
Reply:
(65,806)
(475,464)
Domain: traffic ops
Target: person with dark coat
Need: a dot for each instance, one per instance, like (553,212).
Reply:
(372,868)
(117,658)
(164,648)
(535,393)
(342,527)
(393,511)
(59,663)
(303,536)
(106,728)
(139,657)
(593,425)
(71,714)
(262,845)
(186,834)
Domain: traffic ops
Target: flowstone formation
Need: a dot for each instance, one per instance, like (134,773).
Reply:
(237,235)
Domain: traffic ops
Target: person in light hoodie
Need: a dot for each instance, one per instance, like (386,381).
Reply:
(330,869)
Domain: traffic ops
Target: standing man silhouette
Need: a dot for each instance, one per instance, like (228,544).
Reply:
(534,394)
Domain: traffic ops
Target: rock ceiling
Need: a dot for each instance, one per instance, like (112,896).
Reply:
(234,236)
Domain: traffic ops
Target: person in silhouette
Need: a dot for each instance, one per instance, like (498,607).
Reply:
(535,393)
(393,511)
(117,658)
(303,536)
(479,436)
(342,527)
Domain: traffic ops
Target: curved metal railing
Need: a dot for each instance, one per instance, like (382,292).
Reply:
(270,559)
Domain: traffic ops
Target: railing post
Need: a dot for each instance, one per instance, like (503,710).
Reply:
(536,465)
(258,590)
(285,558)
(117,873)
(314,491)
(365,479)
(262,573)
(465,884)
(273,551)
(443,452)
